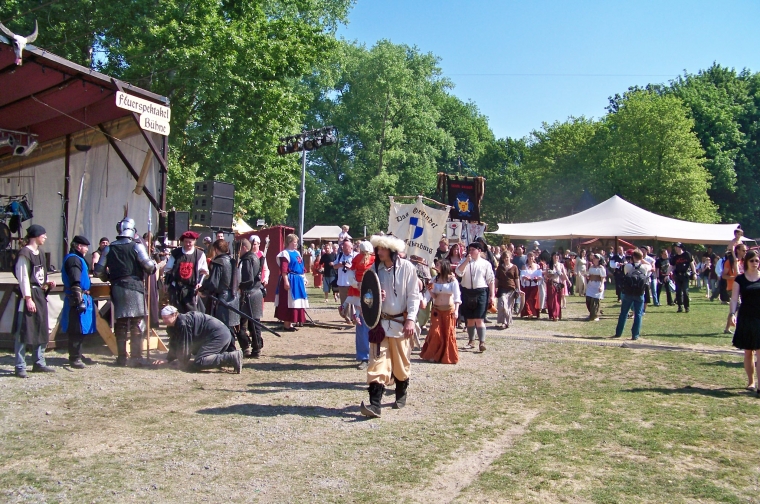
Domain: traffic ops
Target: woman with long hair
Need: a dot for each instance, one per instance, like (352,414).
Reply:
(747,320)
(555,277)
(441,343)
(531,279)
(507,289)
(290,299)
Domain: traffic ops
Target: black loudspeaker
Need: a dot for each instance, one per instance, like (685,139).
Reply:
(178,223)
(161,234)
(214,204)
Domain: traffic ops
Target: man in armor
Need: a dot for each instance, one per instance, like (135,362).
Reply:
(253,276)
(222,283)
(78,315)
(30,324)
(124,263)
(184,274)
(198,334)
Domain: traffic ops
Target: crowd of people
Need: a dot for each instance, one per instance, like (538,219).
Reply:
(215,302)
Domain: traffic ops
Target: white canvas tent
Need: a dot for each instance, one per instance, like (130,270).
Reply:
(322,233)
(240,227)
(618,218)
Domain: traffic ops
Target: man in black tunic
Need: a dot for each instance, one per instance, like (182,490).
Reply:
(30,324)
(222,283)
(198,334)
(124,263)
(186,268)
(251,299)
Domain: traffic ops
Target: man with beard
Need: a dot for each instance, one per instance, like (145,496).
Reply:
(254,275)
(198,334)
(30,324)
(222,283)
(390,350)
(78,315)
(124,263)
(184,274)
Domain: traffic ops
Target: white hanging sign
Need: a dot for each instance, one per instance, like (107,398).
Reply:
(154,124)
(143,107)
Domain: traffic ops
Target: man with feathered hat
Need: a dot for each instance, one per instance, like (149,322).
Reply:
(390,347)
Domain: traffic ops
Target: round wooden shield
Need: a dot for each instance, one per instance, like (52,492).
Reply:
(370,298)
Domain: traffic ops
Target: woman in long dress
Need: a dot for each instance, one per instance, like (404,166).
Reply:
(291,300)
(531,279)
(581,268)
(441,342)
(747,334)
(556,281)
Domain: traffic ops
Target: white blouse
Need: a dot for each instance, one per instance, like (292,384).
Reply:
(530,278)
(447,294)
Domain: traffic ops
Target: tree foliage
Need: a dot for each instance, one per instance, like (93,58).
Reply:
(231,68)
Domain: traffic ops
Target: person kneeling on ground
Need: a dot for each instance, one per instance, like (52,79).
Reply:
(198,334)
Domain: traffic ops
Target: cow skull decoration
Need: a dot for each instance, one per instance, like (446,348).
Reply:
(19,42)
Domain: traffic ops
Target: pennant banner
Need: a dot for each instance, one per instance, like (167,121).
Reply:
(419,225)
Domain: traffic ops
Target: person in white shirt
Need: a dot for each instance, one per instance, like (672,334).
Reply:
(184,274)
(478,293)
(390,349)
(343,234)
(595,287)
(343,266)
(635,281)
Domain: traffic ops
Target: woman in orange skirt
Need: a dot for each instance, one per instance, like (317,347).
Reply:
(441,341)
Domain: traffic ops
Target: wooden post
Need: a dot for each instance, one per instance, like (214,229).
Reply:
(143,173)
(65,216)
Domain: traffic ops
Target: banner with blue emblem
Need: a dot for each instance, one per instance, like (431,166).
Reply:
(419,225)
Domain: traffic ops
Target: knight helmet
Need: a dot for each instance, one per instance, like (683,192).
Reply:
(125,228)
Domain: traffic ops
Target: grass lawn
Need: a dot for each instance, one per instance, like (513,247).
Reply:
(525,421)
(703,325)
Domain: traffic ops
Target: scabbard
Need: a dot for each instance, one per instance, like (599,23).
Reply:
(235,310)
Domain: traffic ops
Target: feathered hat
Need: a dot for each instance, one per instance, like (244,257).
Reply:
(388,241)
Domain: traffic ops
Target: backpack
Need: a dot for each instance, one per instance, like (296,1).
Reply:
(635,282)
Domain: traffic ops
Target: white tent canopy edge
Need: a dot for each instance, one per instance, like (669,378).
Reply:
(617,218)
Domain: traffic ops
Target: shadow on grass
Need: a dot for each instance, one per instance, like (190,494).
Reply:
(266,410)
(722,363)
(317,356)
(283,386)
(277,366)
(721,393)
(716,335)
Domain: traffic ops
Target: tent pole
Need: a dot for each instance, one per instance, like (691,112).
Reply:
(65,213)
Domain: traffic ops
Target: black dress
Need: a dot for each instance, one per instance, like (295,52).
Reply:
(747,335)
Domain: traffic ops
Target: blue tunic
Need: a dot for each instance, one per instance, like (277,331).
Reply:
(86,319)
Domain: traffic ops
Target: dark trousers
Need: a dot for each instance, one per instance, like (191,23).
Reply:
(682,290)
(250,337)
(618,283)
(75,336)
(212,353)
(664,283)
(128,328)
(592,304)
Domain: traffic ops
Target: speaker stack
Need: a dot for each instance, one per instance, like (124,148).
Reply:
(177,223)
(214,204)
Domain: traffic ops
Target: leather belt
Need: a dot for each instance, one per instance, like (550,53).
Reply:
(394,318)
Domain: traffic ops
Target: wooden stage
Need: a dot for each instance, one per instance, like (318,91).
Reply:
(58,339)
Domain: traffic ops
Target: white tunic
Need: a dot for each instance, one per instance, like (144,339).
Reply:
(406,297)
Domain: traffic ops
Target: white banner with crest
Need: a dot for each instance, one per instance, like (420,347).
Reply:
(419,225)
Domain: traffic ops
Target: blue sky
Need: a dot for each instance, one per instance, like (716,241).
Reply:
(560,59)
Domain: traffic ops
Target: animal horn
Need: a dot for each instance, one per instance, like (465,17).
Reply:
(31,38)
(5,30)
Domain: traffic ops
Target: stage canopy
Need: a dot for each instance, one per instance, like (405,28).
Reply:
(322,233)
(93,158)
(617,218)
(240,227)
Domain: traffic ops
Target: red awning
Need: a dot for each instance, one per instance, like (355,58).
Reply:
(51,97)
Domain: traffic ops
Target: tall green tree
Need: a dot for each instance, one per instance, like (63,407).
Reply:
(231,68)
(652,157)
(384,103)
